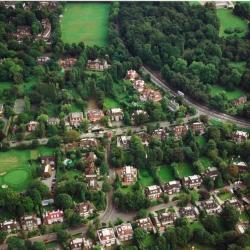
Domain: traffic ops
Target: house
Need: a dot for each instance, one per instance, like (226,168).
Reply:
(95,115)
(235,203)
(91,157)
(106,237)
(160,134)
(87,143)
(10,226)
(75,119)
(90,170)
(42,59)
(137,113)
(132,75)
(145,224)
(193,181)
(53,217)
(240,101)
(144,138)
(21,33)
(162,220)
(128,175)
(67,63)
(46,25)
(48,160)
(149,94)
(189,212)
(47,202)
(30,222)
(81,244)
(173,105)
(198,127)
(116,114)
(211,172)
(53,121)
(123,141)
(240,136)
(219,4)
(84,209)
(180,130)
(171,187)
(210,206)
(1,109)
(32,126)
(139,85)
(124,232)
(97,64)
(153,192)
(47,172)
(242,227)
(92,182)
(241,166)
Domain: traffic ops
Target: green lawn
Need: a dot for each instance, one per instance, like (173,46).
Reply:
(86,22)
(225,196)
(68,175)
(185,169)
(5,85)
(230,94)
(110,103)
(145,178)
(229,20)
(201,140)
(15,168)
(166,173)
(149,241)
(205,161)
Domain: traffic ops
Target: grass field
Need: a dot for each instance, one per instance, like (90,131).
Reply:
(229,20)
(233,94)
(185,169)
(86,22)
(110,103)
(145,178)
(201,140)
(205,161)
(225,196)
(15,168)
(166,173)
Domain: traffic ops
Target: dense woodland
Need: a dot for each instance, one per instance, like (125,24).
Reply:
(182,41)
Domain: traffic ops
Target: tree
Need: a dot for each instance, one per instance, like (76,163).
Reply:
(64,201)
(139,234)
(3,235)
(106,186)
(230,216)
(54,141)
(63,236)
(38,246)
(72,218)
(15,243)
(71,136)
(211,223)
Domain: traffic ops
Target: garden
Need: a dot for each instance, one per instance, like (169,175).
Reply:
(85,22)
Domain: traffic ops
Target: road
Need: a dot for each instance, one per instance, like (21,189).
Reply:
(201,109)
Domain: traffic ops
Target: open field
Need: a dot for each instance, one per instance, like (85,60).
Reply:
(145,178)
(185,169)
(166,173)
(233,94)
(15,168)
(110,103)
(205,161)
(229,20)
(201,140)
(85,22)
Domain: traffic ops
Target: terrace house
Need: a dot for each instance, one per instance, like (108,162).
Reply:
(171,187)
(95,115)
(153,192)
(53,217)
(75,119)
(193,181)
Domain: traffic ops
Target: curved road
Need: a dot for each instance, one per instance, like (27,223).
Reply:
(156,79)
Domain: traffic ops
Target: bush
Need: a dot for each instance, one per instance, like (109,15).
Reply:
(229,30)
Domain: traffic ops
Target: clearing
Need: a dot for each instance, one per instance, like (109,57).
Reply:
(110,103)
(229,21)
(85,22)
(166,173)
(185,169)
(230,94)
(145,178)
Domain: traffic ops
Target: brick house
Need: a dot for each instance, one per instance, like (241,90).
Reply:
(10,226)
(81,244)
(84,209)
(171,187)
(159,134)
(210,206)
(106,237)
(95,115)
(240,136)
(75,119)
(146,224)
(180,130)
(162,220)
(241,166)
(149,94)
(30,222)
(21,33)
(123,141)
(54,121)
(32,126)
(153,192)
(124,232)
(240,101)
(132,75)
(53,217)
(67,63)
(139,85)
(127,174)
(193,181)
(211,172)
(97,64)
(189,212)
(91,157)
(198,127)
(116,114)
